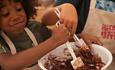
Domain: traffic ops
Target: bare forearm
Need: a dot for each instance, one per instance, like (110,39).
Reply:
(26,58)
(67,6)
(50,18)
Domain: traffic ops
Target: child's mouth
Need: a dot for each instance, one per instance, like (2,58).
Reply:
(19,25)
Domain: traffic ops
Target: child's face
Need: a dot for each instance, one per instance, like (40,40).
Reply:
(12,17)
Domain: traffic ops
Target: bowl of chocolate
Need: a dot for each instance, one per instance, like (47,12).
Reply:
(98,58)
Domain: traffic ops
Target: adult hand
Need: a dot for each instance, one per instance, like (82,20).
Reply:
(89,39)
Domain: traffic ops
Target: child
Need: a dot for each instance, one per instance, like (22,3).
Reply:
(19,35)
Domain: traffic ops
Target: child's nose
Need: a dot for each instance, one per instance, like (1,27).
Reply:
(15,16)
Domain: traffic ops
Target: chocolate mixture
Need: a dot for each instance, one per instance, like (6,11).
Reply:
(91,61)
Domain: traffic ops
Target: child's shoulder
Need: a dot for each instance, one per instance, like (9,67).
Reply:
(33,24)
(37,27)
(30,23)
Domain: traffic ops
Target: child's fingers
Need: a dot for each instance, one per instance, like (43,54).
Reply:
(62,26)
(67,24)
(70,24)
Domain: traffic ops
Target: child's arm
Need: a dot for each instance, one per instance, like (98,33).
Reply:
(68,16)
(28,57)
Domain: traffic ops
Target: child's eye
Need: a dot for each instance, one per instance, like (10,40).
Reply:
(19,9)
(5,14)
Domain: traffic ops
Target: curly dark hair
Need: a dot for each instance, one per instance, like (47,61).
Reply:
(27,5)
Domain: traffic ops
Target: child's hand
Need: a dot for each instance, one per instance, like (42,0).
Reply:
(89,39)
(60,34)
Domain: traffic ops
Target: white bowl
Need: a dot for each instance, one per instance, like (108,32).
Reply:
(105,55)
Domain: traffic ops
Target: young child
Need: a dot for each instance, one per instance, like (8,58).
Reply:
(23,42)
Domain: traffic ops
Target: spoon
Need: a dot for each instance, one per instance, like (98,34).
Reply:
(77,61)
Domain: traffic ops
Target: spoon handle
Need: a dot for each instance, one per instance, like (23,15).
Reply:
(71,50)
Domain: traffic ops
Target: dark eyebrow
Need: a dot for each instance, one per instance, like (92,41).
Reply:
(2,4)
(17,0)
